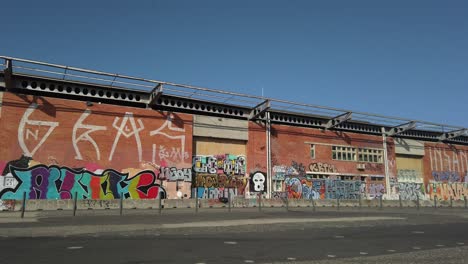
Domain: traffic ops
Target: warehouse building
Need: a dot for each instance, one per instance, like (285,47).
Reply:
(68,131)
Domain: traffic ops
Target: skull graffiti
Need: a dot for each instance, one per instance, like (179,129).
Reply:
(258,182)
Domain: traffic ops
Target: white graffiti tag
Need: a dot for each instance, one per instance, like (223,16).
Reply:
(85,135)
(127,132)
(176,153)
(22,130)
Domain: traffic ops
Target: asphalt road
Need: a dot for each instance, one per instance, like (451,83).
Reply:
(307,243)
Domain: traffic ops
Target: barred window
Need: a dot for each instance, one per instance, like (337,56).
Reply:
(343,153)
(312,151)
(357,154)
(370,155)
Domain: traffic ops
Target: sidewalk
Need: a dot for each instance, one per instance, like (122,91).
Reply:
(150,222)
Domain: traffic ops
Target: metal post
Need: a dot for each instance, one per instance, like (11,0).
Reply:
(451,201)
(399,199)
(23,208)
(417,200)
(380,202)
(313,204)
(229,200)
(287,203)
(435,202)
(196,202)
(74,203)
(159,204)
(338,202)
(260,201)
(466,203)
(360,202)
(121,203)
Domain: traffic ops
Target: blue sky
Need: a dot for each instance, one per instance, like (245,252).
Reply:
(397,58)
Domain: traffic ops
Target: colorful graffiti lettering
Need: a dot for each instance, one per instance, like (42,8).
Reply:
(411,190)
(446,176)
(217,164)
(322,167)
(303,188)
(215,193)
(54,182)
(443,191)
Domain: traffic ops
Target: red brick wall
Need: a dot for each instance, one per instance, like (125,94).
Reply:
(256,148)
(445,162)
(70,133)
(289,144)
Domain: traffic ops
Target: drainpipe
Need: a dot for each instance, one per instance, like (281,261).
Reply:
(387,176)
(268,144)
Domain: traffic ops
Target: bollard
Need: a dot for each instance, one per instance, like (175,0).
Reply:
(23,208)
(121,203)
(435,201)
(287,203)
(360,202)
(417,201)
(451,202)
(196,203)
(338,203)
(466,203)
(401,204)
(160,204)
(74,203)
(229,200)
(313,204)
(380,202)
(259,201)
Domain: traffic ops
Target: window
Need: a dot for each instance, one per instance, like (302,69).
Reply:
(357,154)
(343,153)
(312,151)
(370,155)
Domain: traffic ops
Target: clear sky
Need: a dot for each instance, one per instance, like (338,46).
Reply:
(398,58)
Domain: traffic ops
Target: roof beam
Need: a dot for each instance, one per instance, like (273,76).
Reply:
(401,128)
(453,134)
(259,109)
(8,74)
(338,120)
(155,94)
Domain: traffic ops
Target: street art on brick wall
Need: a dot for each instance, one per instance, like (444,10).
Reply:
(40,181)
(53,182)
(33,135)
(448,165)
(443,191)
(216,175)
(258,182)
(304,188)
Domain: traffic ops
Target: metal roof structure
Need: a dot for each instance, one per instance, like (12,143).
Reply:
(41,78)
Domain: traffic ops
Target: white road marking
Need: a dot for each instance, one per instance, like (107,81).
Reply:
(460,243)
(418,232)
(230,242)
(292,259)
(391,250)
(439,245)
(200,263)
(249,261)
(74,247)
(363,253)
(417,248)
(339,236)
(331,256)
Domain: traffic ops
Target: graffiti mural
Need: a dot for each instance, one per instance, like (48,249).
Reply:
(411,190)
(54,182)
(444,191)
(217,164)
(303,188)
(216,175)
(258,182)
(446,176)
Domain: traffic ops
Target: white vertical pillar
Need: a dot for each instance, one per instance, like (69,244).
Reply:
(387,176)
(268,143)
